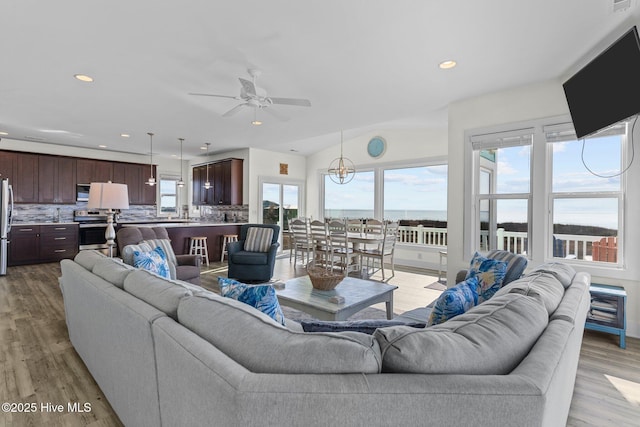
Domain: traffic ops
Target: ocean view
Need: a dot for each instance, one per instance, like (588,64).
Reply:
(394,215)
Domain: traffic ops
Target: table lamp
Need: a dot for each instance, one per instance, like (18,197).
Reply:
(109,196)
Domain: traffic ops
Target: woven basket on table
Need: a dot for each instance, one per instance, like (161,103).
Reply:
(323,279)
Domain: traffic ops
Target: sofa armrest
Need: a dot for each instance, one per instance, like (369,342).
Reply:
(189,260)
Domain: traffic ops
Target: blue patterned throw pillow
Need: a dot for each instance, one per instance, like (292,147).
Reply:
(261,297)
(490,274)
(154,261)
(455,301)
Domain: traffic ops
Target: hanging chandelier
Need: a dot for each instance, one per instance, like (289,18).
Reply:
(180,182)
(341,170)
(151,181)
(207,184)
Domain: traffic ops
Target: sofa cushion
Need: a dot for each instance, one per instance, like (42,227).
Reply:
(490,339)
(154,261)
(455,301)
(164,294)
(490,273)
(261,297)
(365,326)
(258,239)
(261,345)
(563,272)
(127,251)
(250,258)
(112,271)
(541,285)
(88,259)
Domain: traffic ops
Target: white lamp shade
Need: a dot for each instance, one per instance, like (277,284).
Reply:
(107,195)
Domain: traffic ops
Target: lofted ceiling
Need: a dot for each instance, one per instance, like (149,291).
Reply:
(363,64)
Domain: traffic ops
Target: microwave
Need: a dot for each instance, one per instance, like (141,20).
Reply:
(82,192)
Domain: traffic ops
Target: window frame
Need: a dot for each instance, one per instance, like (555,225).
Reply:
(176,194)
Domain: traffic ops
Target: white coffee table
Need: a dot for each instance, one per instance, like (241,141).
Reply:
(357,293)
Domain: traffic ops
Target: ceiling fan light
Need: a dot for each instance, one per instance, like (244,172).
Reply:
(256,122)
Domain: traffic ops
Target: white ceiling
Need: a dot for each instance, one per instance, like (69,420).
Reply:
(363,64)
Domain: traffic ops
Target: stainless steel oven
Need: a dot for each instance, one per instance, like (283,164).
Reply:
(92,225)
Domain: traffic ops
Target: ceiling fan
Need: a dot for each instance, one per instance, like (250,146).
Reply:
(256,97)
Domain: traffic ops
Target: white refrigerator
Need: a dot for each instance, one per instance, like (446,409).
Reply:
(6,209)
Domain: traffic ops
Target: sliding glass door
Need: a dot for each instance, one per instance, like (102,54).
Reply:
(281,202)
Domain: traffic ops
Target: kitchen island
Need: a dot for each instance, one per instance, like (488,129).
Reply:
(181,232)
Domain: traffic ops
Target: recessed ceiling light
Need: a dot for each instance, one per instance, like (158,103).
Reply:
(203,147)
(4,133)
(445,65)
(102,146)
(256,122)
(125,135)
(83,77)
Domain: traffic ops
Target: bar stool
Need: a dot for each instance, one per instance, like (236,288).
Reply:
(199,247)
(227,238)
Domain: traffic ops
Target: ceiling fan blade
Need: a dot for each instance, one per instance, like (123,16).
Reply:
(217,96)
(248,86)
(291,101)
(275,113)
(234,110)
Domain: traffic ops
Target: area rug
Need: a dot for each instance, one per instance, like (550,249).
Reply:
(438,286)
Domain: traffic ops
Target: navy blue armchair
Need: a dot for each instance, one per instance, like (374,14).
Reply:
(247,261)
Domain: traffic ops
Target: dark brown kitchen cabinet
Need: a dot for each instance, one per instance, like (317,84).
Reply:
(25,178)
(33,244)
(57,179)
(225,177)
(7,164)
(24,244)
(135,176)
(89,170)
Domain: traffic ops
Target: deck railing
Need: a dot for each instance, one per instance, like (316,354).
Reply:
(575,246)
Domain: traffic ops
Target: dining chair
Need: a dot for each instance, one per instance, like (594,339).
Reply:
(355,225)
(341,251)
(373,226)
(301,241)
(318,234)
(386,248)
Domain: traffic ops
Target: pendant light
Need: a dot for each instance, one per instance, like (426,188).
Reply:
(151,181)
(341,170)
(207,184)
(181,181)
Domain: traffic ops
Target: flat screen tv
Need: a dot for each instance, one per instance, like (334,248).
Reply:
(607,89)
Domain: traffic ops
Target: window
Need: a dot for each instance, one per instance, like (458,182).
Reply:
(168,196)
(414,195)
(586,194)
(417,198)
(353,200)
(502,165)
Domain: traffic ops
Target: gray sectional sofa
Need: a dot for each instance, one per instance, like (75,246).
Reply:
(168,353)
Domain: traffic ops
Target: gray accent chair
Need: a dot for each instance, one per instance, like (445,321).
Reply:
(515,265)
(187,267)
(252,266)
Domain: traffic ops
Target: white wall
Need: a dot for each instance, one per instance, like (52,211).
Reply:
(518,105)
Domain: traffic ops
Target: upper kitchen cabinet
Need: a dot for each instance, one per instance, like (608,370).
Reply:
(56,179)
(7,164)
(226,183)
(25,178)
(89,170)
(135,176)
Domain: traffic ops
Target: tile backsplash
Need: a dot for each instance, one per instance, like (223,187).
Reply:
(26,213)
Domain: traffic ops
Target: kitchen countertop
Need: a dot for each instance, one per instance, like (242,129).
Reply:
(179,224)
(28,224)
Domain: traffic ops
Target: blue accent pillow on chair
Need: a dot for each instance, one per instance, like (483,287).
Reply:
(261,297)
(154,261)
(490,273)
(455,301)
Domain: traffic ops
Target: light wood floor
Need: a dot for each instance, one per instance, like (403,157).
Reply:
(39,365)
